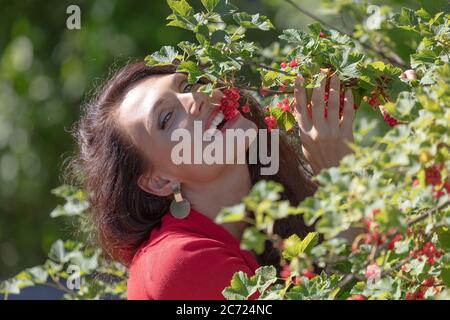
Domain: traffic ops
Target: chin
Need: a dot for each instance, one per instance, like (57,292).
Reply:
(244,123)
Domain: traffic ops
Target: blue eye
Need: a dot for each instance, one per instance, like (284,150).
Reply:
(165,120)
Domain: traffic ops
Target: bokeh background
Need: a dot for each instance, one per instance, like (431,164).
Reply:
(47,71)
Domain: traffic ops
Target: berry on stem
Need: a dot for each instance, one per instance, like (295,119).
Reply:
(263,92)
(246,108)
(271,122)
(293,63)
(284,105)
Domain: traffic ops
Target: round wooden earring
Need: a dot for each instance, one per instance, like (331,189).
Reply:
(179,207)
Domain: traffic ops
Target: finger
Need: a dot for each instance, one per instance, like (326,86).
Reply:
(347,114)
(318,104)
(300,107)
(333,102)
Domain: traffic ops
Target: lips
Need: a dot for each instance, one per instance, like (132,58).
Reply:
(230,122)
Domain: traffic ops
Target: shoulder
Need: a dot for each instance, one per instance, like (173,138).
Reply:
(187,266)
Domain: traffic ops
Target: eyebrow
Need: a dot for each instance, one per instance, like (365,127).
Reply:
(157,105)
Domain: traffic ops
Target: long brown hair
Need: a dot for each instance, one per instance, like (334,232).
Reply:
(122,213)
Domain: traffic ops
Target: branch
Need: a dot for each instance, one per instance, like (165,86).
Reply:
(398,61)
(428,213)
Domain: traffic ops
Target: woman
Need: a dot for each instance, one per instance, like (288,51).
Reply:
(124,138)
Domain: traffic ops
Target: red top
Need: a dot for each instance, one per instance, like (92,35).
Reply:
(191,258)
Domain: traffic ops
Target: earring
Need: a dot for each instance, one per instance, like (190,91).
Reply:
(179,207)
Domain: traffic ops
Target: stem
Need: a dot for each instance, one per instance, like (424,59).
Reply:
(268,90)
(59,285)
(237,30)
(402,277)
(265,67)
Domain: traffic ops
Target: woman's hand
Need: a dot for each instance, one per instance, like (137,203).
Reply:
(324,139)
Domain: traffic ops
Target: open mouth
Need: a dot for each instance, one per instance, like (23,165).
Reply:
(220,123)
(217,122)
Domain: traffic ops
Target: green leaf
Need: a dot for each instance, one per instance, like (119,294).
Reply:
(406,19)
(164,56)
(38,274)
(202,34)
(188,47)
(210,4)
(340,38)
(181,7)
(207,88)
(57,252)
(219,36)
(309,242)
(224,7)
(294,36)
(314,82)
(177,23)
(192,69)
(76,201)
(315,28)
(444,238)
(294,246)
(445,276)
(265,276)
(285,120)
(231,214)
(377,65)
(253,239)
(347,63)
(241,287)
(254,21)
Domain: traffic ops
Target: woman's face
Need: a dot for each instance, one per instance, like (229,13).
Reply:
(157,106)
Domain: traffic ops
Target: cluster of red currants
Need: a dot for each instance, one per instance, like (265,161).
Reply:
(293,63)
(229,103)
(286,274)
(271,122)
(284,105)
(428,251)
(420,292)
(374,236)
(433,177)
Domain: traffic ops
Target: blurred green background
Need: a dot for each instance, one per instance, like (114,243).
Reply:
(46,71)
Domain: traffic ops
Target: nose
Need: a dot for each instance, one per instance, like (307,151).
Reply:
(196,105)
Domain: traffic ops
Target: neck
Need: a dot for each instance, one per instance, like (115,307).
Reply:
(227,190)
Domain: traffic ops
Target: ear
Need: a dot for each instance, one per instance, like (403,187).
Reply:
(155,185)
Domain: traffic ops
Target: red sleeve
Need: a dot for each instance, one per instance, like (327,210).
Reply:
(192,269)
